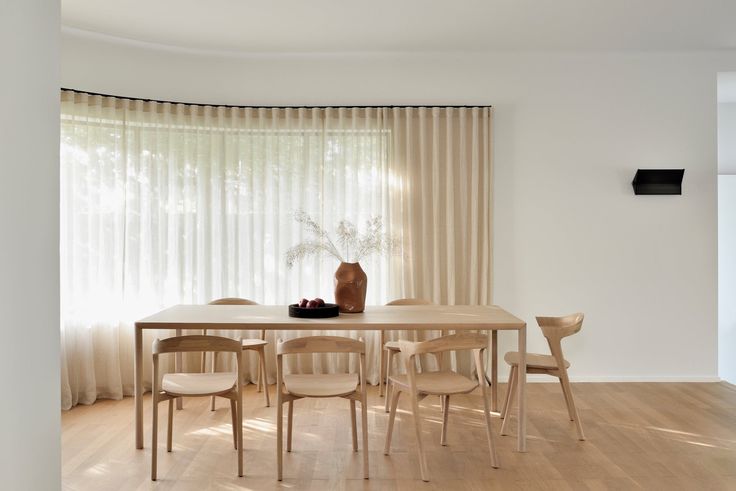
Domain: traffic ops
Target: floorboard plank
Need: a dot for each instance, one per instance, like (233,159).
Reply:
(640,436)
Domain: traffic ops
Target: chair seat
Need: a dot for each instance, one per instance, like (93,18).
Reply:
(321,385)
(444,382)
(198,384)
(392,346)
(253,343)
(534,360)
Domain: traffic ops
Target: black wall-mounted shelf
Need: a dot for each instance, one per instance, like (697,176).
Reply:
(658,181)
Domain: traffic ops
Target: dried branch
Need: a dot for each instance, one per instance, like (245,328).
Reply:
(373,240)
(308,248)
(316,229)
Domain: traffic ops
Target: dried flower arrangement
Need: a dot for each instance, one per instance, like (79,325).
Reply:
(354,245)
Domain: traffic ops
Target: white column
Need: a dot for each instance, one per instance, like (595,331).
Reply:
(29,245)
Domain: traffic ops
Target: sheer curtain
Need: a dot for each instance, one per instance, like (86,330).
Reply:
(171,203)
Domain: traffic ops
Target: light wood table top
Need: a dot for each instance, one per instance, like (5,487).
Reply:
(272,317)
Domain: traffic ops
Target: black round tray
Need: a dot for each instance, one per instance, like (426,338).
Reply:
(329,310)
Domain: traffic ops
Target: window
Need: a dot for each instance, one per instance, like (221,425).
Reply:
(172,203)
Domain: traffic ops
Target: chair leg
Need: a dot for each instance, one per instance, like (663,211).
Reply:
(279,434)
(445,417)
(489,429)
(507,396)
(263,374)
(204,355)
(395,393)
(154,436)
(418,428)
(494,371)
(214,369)
(234,411)
(259,379)
(353,425)
(570,412)
(510,391)
(170,425)
(389,385)
(567,391)
(239,407)
(289,427)
(389,394)
(364,422)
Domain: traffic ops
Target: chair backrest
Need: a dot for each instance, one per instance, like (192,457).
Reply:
(233,301)
(320,344)
(185,344)
(560,327)
(453,342)
(556,328)
(409,301)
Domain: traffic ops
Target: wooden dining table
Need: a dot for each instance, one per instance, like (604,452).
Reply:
(491,318)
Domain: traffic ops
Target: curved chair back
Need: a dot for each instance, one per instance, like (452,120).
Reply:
(185,344)
(320,344)
(453,342)
(560,327)
(556,328)
(233,301)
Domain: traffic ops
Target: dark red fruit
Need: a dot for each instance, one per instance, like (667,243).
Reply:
(320,302)
(303,303)
(312,304)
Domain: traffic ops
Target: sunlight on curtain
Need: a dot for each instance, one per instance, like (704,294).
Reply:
(164,204)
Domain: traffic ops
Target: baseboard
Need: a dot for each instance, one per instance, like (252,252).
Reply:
(536,378)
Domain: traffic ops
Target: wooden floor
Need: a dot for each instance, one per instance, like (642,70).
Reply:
(640,436)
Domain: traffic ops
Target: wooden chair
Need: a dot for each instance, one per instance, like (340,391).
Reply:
(441,383)
(290,387)
(554,329)
(175,385)
(390,348)
(257,345)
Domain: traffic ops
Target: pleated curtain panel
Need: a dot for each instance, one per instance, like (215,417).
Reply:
(167,203)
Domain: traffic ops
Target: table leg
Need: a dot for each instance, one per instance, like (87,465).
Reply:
(138,387)
(522,390)
(177,368)
(494,371)
(381,362)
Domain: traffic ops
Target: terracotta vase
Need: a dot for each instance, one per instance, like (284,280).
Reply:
(351,283)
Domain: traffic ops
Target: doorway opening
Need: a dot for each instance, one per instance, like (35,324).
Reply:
(727,226)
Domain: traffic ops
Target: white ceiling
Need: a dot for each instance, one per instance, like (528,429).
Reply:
(410,25)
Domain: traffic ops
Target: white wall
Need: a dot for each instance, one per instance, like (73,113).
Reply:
(570,131)
(727,277)
(29,245)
